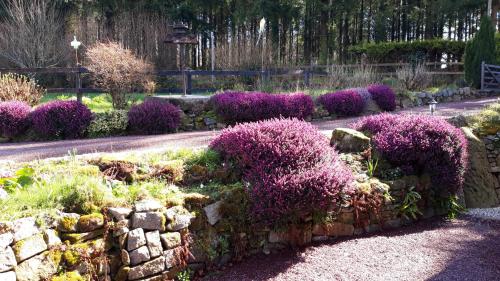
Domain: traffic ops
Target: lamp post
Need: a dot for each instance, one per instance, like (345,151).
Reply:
(76,44)
(432,106)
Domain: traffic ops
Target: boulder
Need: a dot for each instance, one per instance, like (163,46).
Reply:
(51,238)
(125,257)
(170,258)
(149,221)
(24,228)
(139,255)
(212,212)
(147,269)
(5,240)
(479,185)
(154,243)
(29,247)
(120,213)
(89,223)
(7,259)
(349,140)
(147,205)
(180,222)
(68,222)
(171,240)
(135,239)
(8,276)
(40,267)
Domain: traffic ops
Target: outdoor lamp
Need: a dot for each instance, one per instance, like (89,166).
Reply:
(76,44)
(432,106)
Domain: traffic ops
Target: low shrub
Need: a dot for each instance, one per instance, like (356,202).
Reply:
(154,117)
(61,119)
(363,92)
(344,103)
(383,96)
(109,123)
(291,168)
(14,87)
(487,122)
(14,118)
(238,107)
(419,145)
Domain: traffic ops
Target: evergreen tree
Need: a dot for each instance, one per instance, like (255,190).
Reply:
(478,50)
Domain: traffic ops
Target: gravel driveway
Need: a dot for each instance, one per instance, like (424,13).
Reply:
(460,250)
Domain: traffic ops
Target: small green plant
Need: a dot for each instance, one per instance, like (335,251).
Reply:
(451,206)
(409,206)
(372,166)
(22,178)
(184,275)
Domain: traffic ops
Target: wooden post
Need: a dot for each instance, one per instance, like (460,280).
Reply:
(482,75)
(189,82)
(79,96)
(306,78)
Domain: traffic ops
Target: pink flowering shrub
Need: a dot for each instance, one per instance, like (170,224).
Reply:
(154,117)
(420,144)
(61,119)
(239,107)
(14,118)
(291,168)
(344,103)
(384,96)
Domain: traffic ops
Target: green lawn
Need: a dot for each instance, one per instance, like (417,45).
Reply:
(95,101)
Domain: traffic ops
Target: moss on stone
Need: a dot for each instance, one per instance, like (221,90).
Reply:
(90,222)
(122,273)
(72,256)
(69,276)
(68,223)
(55,255)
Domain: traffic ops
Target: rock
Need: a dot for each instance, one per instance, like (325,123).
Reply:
(29,247)
(122,273)
(68,222)
(147,205)
(51,238)
(90,222)
(120,213)
(170,259)
(121,227)
(295,236)
(180,222)
(371,106)
(3,194)
(5,240)
(212,212)
(40,267)
(122,240)
(24,228)
(333,229)
(125,257)
(139,255)
(136,239)
(320,238)
(154,243)
(81,237)
(8,276)
(147,269)
(5,226)
(171,240)
(394,223)
(348,140)
(149,221)
(479,184)
(7,259)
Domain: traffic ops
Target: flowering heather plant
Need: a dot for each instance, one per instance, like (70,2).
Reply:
(14,118)
(384,96)
(289,164)
(421,144)
(363,92)
(239,107)
(61,119)
(345,103)
(154,117)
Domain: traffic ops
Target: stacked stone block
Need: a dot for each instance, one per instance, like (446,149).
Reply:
(492,143)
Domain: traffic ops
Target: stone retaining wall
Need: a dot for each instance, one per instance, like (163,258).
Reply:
(492,143)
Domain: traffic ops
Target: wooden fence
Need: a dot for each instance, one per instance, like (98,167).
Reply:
(490,77)
(305,74)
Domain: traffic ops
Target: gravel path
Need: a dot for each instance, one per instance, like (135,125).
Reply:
(489,213)
(38,150)
(464,249)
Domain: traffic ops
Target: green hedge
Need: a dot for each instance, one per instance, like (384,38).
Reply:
(403,51)
(497,43)
(109,123)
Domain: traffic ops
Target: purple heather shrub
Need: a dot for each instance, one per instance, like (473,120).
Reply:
(61,119)
(421,144)
(14,118)
(239,107)
(384,96)
(289,165)
(345,103)
(154,117)
(363,92)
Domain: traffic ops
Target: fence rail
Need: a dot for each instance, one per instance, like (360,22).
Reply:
(306,74)
(490,77)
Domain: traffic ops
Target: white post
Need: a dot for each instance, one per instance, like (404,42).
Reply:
(212,60)
(489,9)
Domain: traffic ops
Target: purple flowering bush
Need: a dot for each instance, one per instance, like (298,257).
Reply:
(239,107)
(14,118)
(420,144)
(384,96)
(61,119)
(154,117)
(344,103)
(291,168)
